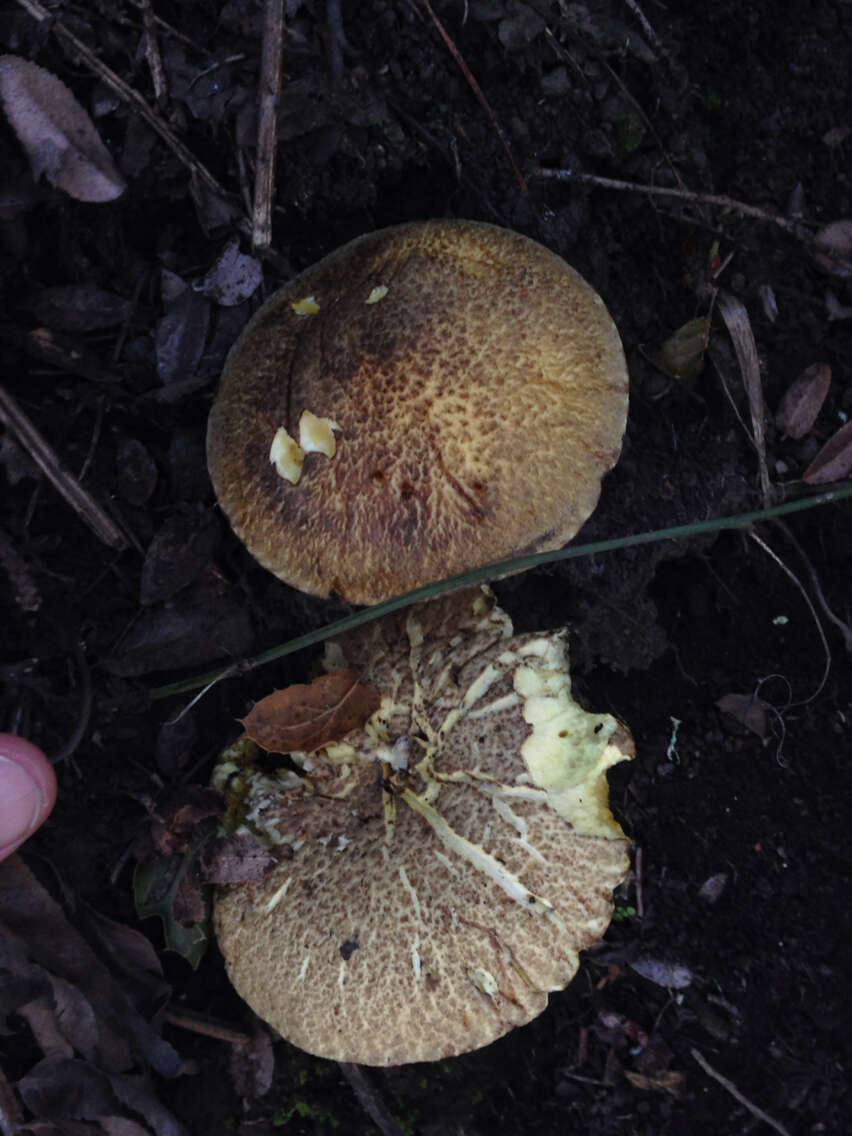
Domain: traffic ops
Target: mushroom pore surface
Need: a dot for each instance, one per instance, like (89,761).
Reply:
(440,868)
(471,391)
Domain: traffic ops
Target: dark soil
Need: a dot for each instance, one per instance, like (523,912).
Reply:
(741,842)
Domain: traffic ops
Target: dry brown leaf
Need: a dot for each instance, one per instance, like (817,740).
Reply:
(749,710)
(306,718)
(834,461)
(59,137)
(33,926)
(670,1082)
(176,818)
(803,401)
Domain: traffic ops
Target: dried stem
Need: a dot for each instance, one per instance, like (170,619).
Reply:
(207,1027)
(269,91)
(796,228)
(153,56)
(736,1094)
(80,500)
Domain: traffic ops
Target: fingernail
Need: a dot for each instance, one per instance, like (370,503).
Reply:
(21,804)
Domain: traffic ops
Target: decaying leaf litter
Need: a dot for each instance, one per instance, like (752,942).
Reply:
(658,634)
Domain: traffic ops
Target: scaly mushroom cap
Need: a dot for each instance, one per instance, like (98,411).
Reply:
(442,867)
(461,391)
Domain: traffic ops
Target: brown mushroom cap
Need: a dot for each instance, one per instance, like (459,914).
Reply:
(478,392)
(443,866)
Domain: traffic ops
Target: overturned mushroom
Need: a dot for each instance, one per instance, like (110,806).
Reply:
(465,392)
(441,867)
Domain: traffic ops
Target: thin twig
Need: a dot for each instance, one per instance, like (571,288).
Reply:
(844,628)
(36,445)
(135,100)
(795,579)
(207,1027)
(477,90)
(796,228)
(153,56)
(269,91)
(736,1094)
(652,37)
(169,29)
(369,1098)
(215,66)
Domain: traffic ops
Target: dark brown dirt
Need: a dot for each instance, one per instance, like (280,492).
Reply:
(742,864)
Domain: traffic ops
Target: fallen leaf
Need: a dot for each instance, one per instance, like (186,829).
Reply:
(655,1058)
(34,926)
(802,402)
(834,460)
(67,1089)
(44,1028)
(834,247)
(181,335)
(712,888)
(129,952)
(749,710)
(233,278)
(59,137)
(179,554)
(196,626)
(682,354)
(769,302)
(834,310)
(671,975)
(305,718)
(59,1088)
(176,819)
(156,890)
(670,1082)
